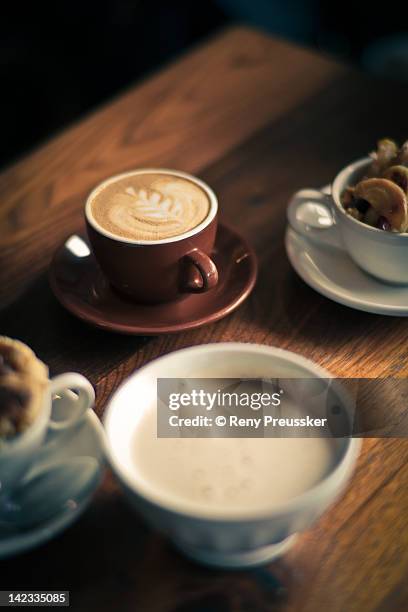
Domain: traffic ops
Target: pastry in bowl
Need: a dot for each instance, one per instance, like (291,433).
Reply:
(23,381)
(380,198)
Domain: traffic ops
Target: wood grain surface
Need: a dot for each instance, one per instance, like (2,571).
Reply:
(257,119)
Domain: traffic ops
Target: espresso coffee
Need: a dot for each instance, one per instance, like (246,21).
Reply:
(150,206)
(229,475)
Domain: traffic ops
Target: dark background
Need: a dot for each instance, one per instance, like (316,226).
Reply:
(58,61)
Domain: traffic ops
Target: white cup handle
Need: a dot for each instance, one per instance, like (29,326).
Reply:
(77,395)
(310,214)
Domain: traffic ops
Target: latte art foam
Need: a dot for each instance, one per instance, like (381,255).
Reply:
(150,206)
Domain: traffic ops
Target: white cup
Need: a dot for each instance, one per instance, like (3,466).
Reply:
(321,217)
(18,454)
(227,541)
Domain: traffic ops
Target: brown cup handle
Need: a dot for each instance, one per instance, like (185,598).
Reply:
(207,276)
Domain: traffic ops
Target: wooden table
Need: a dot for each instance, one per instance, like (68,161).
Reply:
(257,119)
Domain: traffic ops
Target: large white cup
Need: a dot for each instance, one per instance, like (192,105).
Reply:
(322,218)
(228,541)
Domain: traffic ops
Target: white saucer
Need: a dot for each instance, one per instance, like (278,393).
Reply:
(332,273)
(86,439)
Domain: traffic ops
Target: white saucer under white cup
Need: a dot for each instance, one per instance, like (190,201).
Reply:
(334,274)
(321,217)
(344,259)
(67,434)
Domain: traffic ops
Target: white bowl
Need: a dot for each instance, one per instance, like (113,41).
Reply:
(229,541)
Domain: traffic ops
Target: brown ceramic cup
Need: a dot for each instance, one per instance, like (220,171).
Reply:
(154,271)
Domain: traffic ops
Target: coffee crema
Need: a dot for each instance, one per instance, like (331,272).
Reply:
(150,206)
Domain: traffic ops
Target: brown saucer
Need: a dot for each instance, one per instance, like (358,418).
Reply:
(79,285)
